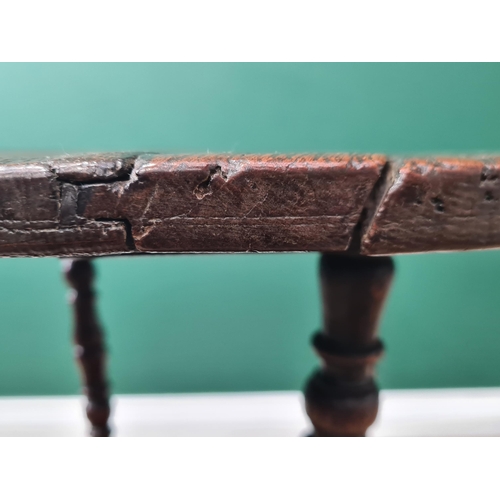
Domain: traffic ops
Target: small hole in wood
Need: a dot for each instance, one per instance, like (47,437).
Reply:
(438,204)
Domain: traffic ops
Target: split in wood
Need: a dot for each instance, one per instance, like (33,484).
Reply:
(127,203)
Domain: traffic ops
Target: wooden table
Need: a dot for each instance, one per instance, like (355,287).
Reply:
(355,210)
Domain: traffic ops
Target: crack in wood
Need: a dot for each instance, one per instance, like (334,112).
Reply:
(369,205)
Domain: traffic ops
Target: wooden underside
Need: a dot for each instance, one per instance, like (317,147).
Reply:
(107,204)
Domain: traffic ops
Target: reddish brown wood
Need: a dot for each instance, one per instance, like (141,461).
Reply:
(108,204)
(437,204)
(342,397)
(115,204)
(220,203)
(89,344)
(102,238)
(38,201)
(354,205)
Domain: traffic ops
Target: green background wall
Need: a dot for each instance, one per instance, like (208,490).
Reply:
(243,322)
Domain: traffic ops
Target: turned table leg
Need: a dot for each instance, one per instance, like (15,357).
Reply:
(342,397)
(89,346)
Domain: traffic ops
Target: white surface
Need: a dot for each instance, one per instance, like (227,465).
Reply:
(442,412)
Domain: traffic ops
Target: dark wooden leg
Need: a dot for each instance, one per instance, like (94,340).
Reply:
(342,397)
(89,346)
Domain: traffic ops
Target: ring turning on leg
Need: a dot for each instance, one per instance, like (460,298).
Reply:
(89,345)
(342,396)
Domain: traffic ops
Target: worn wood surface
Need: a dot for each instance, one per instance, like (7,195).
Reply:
(437,205)
(243,204)
(38,201)
(107,204)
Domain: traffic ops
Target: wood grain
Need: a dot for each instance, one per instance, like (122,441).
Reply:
(38,207)
(436,205)
(153,203)
(106,204)
(238,204)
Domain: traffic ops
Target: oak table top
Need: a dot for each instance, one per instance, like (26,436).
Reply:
(112,204)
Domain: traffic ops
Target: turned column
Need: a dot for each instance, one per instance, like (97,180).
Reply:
(342,396)
(89,345)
